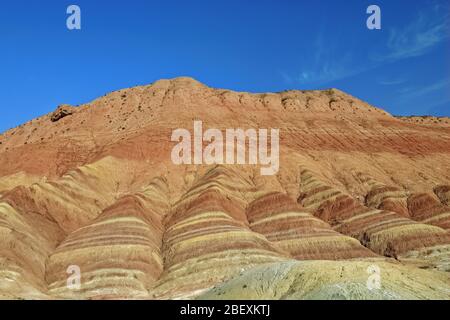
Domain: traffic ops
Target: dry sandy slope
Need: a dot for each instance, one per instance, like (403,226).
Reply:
(344,280)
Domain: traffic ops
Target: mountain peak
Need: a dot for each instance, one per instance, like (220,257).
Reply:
(179,82)
(96,187)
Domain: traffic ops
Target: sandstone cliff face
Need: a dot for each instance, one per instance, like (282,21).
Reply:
(94,186)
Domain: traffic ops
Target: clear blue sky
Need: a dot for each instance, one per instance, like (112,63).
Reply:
(244,45)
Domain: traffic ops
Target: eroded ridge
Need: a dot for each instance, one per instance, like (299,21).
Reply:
(207,239)
(425,208)
(74,189)
(384,197)
(119,253)
(74,199)
(384,232)
(443,192)
(297,231)
(422,207)
(27,239)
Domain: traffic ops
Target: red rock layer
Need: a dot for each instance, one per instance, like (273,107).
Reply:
(207,240)
(443,192)
(26,241)
(74,199)
(386,233)
(119,253)
(384,197)
(388,198)
(66,179)
(298,232)
(425,208)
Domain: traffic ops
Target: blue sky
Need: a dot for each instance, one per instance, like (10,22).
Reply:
(243,45)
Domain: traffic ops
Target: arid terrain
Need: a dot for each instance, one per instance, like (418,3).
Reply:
(94,186)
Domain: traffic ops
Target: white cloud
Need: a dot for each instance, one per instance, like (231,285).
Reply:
(332,61)
(415,92)
(391,82)
(329,63)
(420,36)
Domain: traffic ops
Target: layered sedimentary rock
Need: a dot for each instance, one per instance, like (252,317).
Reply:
(422,207)
(18,179)
(298,232)
(207,239)
(425,208)
(443,192)
(26,241)
(385,197)
(119,253)
(355,185)
(386,233)
(74,199)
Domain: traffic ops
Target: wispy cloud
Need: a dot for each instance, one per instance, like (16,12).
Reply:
(330,59)
(430,28)
(327,72)
(391,82)
(416,92)
(329,62)
(428,98)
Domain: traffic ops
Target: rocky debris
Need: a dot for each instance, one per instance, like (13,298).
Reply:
(62,111)
(426,120)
